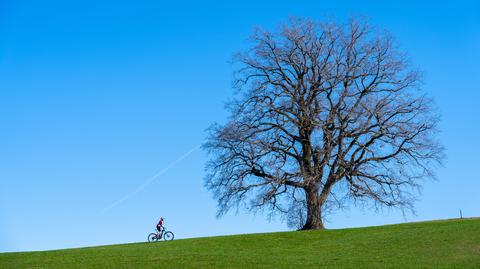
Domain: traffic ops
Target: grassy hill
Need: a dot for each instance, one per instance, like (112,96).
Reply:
(434,244)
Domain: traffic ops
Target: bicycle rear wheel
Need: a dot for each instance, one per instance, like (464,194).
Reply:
(167,236)
(152,237)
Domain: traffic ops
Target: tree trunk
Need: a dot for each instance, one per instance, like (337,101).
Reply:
(314,216)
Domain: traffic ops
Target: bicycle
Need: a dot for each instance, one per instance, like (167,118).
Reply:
(166,235)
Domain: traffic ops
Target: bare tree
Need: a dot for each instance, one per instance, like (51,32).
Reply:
(325,114)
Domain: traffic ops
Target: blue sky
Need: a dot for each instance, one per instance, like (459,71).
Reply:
(96,98)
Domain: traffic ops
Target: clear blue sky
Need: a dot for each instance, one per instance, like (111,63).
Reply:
(95,98)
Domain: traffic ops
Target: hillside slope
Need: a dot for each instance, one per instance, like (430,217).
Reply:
(434,244)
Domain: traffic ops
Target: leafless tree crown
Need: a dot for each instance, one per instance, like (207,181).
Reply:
(325,114)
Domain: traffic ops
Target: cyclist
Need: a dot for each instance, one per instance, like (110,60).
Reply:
(160,225)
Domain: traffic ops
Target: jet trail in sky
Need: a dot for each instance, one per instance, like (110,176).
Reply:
(151,179)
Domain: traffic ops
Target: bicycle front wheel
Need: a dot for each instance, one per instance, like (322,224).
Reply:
(152,237)
(167,236)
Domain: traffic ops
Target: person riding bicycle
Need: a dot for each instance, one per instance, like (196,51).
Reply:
(160,225)
(160,233)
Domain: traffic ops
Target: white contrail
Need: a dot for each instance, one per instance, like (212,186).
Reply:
(151,179)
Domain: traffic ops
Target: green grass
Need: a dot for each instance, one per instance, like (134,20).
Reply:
(434,244)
